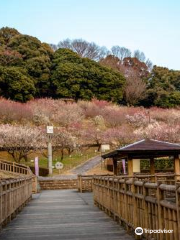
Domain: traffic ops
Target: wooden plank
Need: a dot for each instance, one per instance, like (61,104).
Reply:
(63,214)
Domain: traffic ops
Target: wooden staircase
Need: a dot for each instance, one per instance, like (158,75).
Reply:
(55,184)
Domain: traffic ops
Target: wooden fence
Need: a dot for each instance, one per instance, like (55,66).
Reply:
(14,167)
(14,194)
(85,182)
(136,203)
(19,170)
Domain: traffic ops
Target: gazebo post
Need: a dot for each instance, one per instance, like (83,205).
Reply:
(115,166)
(152,168)
(176,167)
(130,166)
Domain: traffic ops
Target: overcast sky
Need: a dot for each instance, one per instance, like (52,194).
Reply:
(152,26)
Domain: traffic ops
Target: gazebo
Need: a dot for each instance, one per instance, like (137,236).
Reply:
(145,149)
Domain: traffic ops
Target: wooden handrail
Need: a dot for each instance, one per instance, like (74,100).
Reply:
(14,194)
(85,182)
(13,167)
(136,203)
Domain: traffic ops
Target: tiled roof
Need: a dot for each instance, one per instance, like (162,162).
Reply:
(150,145)
(146,148)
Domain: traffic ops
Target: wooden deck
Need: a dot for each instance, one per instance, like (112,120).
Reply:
(63,215)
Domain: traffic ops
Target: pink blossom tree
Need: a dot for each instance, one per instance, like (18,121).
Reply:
(120,136)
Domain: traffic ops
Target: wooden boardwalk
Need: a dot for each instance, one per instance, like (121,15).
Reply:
(63,215)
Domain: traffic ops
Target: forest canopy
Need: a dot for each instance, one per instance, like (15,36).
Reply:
(82,70)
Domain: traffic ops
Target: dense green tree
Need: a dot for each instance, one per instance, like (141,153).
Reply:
(9,57)
(37,60)
(15,84)
(29,53)
(163,88)
(31,69)
(28,46)
(6,34)
(82,78)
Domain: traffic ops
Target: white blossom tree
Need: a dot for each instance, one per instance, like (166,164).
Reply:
(20,141)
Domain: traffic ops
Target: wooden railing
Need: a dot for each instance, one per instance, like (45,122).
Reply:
(169,178)
(18,171)
(14,194)
(136,203)
(85,182)
(14,167)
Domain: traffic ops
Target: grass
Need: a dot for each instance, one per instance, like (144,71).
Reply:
(69,162)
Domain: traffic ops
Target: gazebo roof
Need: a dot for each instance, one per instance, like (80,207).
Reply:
(146,148)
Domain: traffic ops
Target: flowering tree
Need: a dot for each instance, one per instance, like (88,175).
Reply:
(20,141)
(120,136)
(44,110)
(11,112)
(68,114)
(139,119)
(163,132)
(92,136)
(63,140)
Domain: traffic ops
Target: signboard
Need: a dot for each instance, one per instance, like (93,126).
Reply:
(50,129)
(59,165)
(105,147)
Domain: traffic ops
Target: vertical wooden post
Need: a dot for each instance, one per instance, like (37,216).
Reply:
(115,166)
(178,209)
(160,211)
(145,207)
(80,183)
(176,167)
(126,205)
(13,167)
(130,167)
(152,169)
(152,166)
(1,196)
(135,214)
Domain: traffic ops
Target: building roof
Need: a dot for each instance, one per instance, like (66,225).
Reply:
(146,148)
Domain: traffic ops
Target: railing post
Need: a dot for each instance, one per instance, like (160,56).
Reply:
(160,212)
(178,209)
(13,167)
(135,215)
(145,206)
(126,206)
(1,196)
(80,183)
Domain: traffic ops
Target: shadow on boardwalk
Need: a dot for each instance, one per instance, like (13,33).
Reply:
(63,215)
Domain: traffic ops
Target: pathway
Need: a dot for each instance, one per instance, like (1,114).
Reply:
(88,165)
(63,215)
